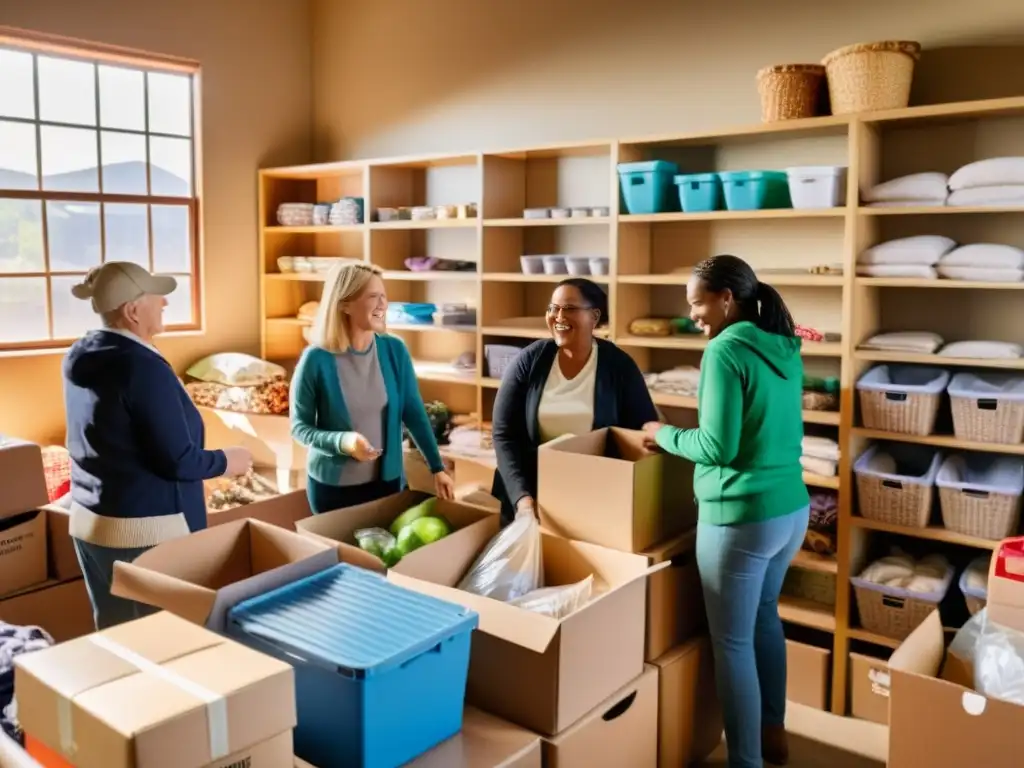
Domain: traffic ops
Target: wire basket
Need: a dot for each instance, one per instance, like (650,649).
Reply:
(871,76)
(790,91)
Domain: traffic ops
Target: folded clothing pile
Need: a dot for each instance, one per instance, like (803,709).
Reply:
(820,456)
(821,528)
(988,262)
(917,190)
(905,257)
(901,571)
(821,393)
(682,380)
(912,342)
(995,181)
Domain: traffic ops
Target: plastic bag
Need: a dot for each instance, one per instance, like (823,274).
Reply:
(510,566)
(557,602)
(376,541)
(997,653)
(235,369)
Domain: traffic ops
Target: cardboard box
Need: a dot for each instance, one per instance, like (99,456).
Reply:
(485,742)
(269,438)
(689,715)
(63,610)
(675,602)
(1006,584)
(201,576)
(339,527)
(23,551)
(63,560)
(808,672)
(24,481)
(622,731)
(538,672)
(193,697)
(284,511)
(606,488)
(936,721)
(869,688)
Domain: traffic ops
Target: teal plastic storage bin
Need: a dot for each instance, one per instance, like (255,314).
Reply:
(699,192)
(756,190)
(647,187)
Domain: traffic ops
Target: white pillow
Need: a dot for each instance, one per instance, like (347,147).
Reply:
(981,274)
(916,186)
(994,172)
(897,270)
(1007,194)
(991,255)
(982,349)
(921,249)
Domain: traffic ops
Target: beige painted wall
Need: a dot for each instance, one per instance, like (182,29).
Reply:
(405,76)
(256,92)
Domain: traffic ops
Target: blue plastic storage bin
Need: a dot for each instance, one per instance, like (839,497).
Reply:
(756,190)
(699,192)
(647,187)
(380,671)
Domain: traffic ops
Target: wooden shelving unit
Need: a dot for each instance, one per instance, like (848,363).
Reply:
(650,258)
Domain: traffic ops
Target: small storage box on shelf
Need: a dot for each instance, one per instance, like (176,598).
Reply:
(901,398)
(974,583)
(980,495)
(499,357)
(988,408)
(816,586)
(755,190)
(817,186)
(699,192)
(896,483)
(895,612)
(647,187)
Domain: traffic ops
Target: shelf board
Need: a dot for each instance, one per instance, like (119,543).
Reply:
(856,633)
(489,382)
(297,277)
(938,210)
(288,321)
(806,613)
(426,224)
(920,282)
(796,280)
(931,533)
(774,213)
(436,276)
(312,230)
(695,342)
(431,328)
(812,561)
(570,222)
(820,481)
(519,277)
(829,418)
(941,441)
(538,331)
(877,356)
(426,371)
(821,349)
(668,400)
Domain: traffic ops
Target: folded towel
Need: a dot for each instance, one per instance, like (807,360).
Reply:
(920,342)
(820,448)
(821,467)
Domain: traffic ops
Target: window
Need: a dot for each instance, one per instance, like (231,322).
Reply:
(97,164)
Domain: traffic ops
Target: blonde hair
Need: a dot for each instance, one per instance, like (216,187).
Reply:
(344,282)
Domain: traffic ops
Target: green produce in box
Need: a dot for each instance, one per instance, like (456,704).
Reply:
(423,509)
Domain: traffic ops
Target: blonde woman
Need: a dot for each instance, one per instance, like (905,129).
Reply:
(353,389)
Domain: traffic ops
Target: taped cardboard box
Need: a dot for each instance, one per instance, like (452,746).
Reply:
(869,688)
(23,551)
(24,480)
(194,699)
(675,602)
(606,488)
(201,576)
(538,672)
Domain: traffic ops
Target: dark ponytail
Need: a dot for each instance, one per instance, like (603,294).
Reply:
(758,302)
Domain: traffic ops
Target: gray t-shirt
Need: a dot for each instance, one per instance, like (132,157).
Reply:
(362,385)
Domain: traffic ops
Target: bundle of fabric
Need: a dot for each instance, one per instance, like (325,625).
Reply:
(912,342)
(821,529)
(821,393)
(905,257)
(820,456)
(57,470)
(14,641)
(682,380)
(995,181)
(988,262)
(233,381)
(915,190)
(902,571)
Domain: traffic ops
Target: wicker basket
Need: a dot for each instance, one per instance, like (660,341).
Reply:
(891,616)
(991,516)
(790,91)
(871,76)
(897,499)
(816,586)
(913,416)
(1002,424)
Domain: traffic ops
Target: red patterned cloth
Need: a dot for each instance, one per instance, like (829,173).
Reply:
(57,468)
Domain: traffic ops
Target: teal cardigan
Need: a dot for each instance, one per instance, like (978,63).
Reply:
(320,418)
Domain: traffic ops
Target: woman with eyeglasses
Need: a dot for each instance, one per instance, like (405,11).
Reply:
(572,383)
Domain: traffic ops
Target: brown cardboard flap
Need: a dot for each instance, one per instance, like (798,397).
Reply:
(138,583)
(920,654)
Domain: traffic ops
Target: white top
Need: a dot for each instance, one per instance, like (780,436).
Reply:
(567,405)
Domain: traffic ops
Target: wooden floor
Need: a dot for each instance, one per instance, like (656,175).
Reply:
(820,740)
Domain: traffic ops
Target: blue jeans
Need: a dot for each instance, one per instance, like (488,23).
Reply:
(742,568)
(98,568)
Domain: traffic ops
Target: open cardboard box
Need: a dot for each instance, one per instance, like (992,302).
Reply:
(201,576)
(339,527)
(606,488)
(538,672)
(268,437)
(936,719)
(283,511)
(24,480)
(675,601)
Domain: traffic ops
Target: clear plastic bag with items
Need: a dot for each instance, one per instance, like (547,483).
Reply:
(510,566)
(997,654)
(557,602)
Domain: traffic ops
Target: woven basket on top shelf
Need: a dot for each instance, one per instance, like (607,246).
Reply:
(913,415)
(991,516)
(871,76)
(905,504)
(1002,423)
(790,91)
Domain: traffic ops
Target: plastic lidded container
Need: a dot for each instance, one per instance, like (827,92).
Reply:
(817,186)
(699,192)
(755,190)
(380,671)
(647,187)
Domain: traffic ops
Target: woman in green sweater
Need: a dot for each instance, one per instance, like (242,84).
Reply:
(753,504)
(353,389)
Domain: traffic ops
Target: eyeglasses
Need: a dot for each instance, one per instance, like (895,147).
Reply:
(554,309)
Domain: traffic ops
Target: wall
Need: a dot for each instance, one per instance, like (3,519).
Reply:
(256,103)
(401,77)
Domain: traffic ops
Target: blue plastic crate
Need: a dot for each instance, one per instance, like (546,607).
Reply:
(380,671)
(756,190)
(647,187)
(699,192)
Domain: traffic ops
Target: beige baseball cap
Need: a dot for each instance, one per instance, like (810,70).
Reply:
(118,282)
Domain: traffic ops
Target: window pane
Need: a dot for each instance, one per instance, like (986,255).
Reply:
(73,233)
(23,309)
(18,156)
(170,104)
(126,233)
(122,98)
(172,245)
(124,163)
(69,160)
(71,317)
(17,98)
(67,91)
(179,303)
(170,167)
(21,236)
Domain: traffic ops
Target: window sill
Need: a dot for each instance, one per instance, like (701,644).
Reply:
(13,354)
